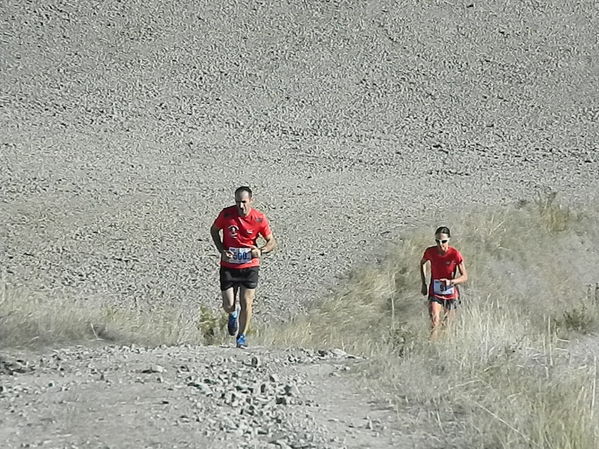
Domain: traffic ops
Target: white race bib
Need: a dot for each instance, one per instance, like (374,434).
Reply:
(240,255)
(439,288)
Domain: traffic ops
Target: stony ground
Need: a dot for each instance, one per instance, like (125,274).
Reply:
(112,397)
(126,126)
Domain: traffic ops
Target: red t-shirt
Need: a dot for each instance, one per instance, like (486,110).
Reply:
(443,266)
(240,234)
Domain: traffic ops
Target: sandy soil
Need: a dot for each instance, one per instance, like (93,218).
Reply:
(126,126)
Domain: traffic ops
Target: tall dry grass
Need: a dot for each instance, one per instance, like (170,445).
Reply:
(509,372)
(29,320)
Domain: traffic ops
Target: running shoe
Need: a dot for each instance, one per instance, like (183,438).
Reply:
(232,326)
(241,341)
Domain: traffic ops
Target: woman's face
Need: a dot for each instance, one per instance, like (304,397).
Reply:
(442,241)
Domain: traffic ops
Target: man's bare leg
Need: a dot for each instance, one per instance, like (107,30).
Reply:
(229,306)
(229,299)
(246,300)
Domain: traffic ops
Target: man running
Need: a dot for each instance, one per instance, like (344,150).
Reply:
(240,258)
(443,294)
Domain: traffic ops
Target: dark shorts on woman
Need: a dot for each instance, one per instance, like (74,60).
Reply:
(235,277)
(449,304)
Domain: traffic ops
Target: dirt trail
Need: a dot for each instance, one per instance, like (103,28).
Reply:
(189,397)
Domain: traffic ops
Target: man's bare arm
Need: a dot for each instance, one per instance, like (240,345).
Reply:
(269,246)
(215,233)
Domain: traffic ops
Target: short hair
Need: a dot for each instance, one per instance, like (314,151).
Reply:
(243,189)
(443,230)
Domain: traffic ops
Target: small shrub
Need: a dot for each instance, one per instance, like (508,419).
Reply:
(210,324)
(582,318)
(555,216)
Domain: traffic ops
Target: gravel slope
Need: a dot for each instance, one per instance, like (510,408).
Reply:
(126,128)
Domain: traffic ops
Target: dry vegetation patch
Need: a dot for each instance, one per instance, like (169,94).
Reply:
(506,373)
(28,320)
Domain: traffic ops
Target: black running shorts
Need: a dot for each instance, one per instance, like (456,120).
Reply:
(235,277)
(449,304)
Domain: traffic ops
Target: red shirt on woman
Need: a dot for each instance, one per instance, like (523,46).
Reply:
(443,266)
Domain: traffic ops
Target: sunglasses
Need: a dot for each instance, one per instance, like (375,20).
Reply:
(441,241)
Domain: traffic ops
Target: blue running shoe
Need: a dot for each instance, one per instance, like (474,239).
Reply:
(241,341)
(232,326)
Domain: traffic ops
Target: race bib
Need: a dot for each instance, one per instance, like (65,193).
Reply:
(240,255)
(439,288)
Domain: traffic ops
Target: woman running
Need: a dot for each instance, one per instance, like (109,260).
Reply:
(443,294)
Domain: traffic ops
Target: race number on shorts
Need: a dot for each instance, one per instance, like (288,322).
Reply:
(240,255)
(439,288)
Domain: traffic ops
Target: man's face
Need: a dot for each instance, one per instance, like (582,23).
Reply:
(243,201)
